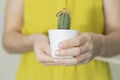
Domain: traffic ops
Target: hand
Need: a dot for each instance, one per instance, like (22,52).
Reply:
(84,48)
(42,50)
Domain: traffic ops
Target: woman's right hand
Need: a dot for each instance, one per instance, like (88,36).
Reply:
(42,50)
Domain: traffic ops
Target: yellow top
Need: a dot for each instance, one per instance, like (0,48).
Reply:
(40,16)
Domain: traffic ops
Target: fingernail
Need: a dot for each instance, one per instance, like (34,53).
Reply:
(56,60)
(57,52)
(61,61)
(61,45)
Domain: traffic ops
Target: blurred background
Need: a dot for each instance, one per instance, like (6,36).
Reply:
(9,62)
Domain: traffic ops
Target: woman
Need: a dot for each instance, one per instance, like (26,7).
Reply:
(26,26)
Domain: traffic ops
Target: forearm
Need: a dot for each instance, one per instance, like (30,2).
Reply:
(15,42)
(111,44)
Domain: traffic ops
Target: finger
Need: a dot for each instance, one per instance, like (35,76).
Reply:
(72,51)
(41,56)
(77,41)
(84,61)
(78,63)
(68,62)
(83,57)
(52,64)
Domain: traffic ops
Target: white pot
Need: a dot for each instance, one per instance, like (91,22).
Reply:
(56,36)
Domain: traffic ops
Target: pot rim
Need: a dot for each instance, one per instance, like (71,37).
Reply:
(61,30)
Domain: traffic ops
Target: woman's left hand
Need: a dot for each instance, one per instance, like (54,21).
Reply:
(84,48)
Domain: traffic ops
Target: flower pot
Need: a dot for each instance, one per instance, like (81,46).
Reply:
(57,36)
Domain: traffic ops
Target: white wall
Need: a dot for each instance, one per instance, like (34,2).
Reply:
(9,63)
(115,69)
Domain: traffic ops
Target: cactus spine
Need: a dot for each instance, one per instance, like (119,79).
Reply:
(64,19)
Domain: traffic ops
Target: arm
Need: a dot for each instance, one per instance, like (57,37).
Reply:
(13,40)
(112,28)
(16,42)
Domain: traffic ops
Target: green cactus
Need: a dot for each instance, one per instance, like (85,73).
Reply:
(64,19)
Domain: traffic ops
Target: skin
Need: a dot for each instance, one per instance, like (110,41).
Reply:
(84,47)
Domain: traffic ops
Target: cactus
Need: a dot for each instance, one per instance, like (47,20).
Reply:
(64,19)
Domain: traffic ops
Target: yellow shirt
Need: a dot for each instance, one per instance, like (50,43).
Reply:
(40,16)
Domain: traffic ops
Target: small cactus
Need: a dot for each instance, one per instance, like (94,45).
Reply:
(64,19)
